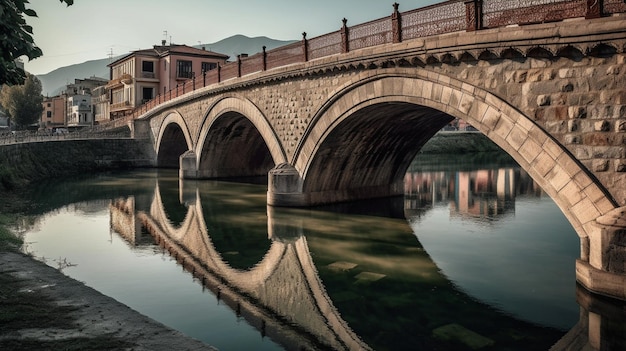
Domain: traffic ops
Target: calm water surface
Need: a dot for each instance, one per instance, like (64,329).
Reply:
(474,255)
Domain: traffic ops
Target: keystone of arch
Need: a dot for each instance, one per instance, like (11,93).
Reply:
(250,111)
(579,196)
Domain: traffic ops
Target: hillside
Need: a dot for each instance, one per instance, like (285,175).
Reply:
(240,44)
(54,81)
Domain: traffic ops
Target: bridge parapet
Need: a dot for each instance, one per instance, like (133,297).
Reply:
(443,18)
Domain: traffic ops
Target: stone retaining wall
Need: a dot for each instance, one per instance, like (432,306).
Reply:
(27,162)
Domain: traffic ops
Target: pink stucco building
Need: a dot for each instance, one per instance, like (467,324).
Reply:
(143,74)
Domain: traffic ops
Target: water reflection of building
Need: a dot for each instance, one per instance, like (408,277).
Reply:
(485,193)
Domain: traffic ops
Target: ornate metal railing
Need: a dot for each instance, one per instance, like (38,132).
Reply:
(446,17)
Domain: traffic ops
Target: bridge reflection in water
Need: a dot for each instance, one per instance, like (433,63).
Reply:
(315,284)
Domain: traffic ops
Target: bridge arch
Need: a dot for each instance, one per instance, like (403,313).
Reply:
(173,140)
(402,110)
(236,140)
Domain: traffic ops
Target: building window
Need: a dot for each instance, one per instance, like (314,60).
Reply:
(147,69)
(147,66)
(207,66)
(183,69)
(148,94)
(49,114)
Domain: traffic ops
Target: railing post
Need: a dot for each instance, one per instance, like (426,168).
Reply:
(238,65)
(345,47)
(203,79)
(396,24)
(594,9)
(219,72)
(193,81)
(264,58)
(474,15)
(305,47)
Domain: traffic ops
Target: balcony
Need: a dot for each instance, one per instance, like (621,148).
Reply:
(124,79)
(125,105)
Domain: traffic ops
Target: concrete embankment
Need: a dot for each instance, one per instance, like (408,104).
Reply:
(26,162)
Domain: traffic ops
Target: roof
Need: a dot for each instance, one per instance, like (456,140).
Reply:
(167,50)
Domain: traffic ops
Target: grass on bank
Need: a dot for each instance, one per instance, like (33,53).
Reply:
(8,240)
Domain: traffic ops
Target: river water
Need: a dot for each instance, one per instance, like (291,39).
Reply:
(474,256)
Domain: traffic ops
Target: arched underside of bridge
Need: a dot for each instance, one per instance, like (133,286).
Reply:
(234,147)
(367,154)
(172,142)
(362,141)
(382,122)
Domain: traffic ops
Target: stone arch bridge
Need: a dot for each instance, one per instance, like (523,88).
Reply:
(340,117)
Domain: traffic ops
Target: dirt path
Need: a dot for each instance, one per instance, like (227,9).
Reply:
(95,315)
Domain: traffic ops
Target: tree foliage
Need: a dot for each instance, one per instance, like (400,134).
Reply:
(16,39)
(23,103)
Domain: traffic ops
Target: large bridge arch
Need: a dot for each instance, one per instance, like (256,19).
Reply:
(173,139)
(236,140)
(437,98)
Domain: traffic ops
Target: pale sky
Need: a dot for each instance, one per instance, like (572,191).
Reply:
(91,29)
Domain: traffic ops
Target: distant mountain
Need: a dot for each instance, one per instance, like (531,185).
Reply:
(54,81)
(241,44)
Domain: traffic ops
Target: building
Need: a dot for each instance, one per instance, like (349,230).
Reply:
(54,113)
(101,105)
(143,74)
(80,111)
(66,111)
(84,86)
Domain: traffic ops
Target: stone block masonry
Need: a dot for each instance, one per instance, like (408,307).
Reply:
(581,102)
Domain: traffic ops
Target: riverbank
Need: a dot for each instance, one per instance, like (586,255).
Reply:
(454,142)
(42,309)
